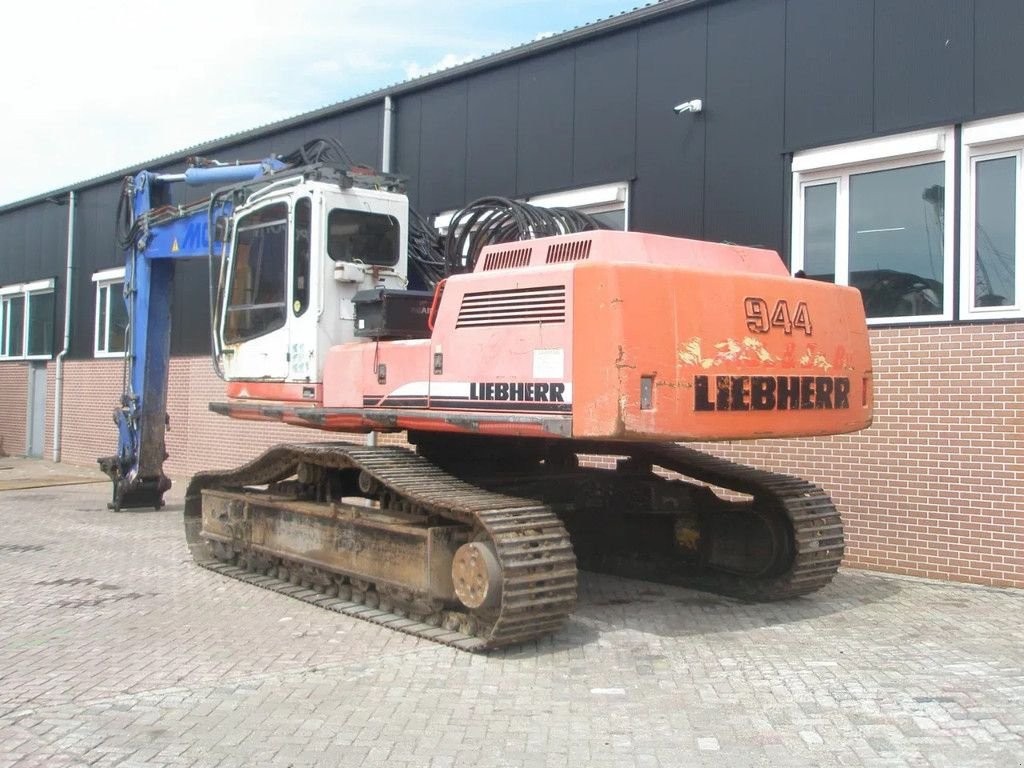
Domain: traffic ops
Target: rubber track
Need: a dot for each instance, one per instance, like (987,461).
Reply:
(532,545)
(817,528)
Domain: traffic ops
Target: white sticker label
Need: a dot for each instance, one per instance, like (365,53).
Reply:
(549,363)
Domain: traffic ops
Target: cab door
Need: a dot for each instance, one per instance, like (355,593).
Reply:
(254,322)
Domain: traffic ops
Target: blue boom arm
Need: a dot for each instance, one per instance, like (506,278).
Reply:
(159,236)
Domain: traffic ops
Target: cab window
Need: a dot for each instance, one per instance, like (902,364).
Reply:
(257,295)
(362,238)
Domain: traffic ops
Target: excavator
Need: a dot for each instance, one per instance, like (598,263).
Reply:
(544,371)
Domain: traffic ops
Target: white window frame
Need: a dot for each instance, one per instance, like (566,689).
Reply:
(989,140)
(108,278)
(26,290)
(837,163)
(604,198)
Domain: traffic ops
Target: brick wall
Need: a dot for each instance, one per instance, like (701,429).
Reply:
(13,407)
(934,488)
(197,439)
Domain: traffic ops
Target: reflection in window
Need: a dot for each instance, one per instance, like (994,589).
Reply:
(896,240)
(257,295)
(611,219)
(300,256)
(995,232)
(820,231)
(40,323)
(362,238)
(15,326)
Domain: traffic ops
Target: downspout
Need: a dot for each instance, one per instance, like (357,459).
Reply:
(386,143)
(59,387)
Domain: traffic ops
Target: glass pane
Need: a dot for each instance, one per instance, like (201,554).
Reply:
(16,326)
(612,219)
(366,238)
(896,240)
(3,327)
(101,319)
(300,256)
(40,323)
(257,299)
(118,318)
(995,232)
(820,232)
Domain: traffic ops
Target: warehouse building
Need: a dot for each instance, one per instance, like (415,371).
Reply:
(872,143)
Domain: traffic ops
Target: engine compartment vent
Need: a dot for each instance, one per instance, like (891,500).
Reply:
(577,250)
(518,306)
(513,257)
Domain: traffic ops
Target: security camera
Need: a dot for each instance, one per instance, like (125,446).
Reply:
(693,105)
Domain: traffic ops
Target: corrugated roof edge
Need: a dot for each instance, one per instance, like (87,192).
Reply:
(544,45)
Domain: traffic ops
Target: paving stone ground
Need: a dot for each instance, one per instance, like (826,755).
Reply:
(115,650)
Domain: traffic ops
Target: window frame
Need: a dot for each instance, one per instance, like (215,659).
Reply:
(106,279)
(989,140)
(25,291)
(836,164)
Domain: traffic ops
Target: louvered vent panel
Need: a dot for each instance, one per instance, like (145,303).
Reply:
(520,306)
(514,257)
(577,250)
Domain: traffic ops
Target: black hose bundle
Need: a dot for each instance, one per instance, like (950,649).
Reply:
(426,253)
(125,228)
(323,150)
(492,220)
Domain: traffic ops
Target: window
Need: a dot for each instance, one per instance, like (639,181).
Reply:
(27,320)
(111,319)
(992,219)
(259,277)
(873,215)
(363,238)
(608,203)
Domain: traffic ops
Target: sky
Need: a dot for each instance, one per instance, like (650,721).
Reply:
(91,88)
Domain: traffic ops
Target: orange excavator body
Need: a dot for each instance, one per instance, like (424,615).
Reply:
(603,336)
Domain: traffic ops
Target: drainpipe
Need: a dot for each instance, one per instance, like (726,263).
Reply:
(59,387)
(386,144)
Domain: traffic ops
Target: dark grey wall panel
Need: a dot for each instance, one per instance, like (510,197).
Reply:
(33,243)
(744,116)
(12,248)
(190,319)
(999,56)
(924,62)
(442,182)
(491,134)
(668,195)
(408,111)
(359,132)
(604,135)
(829,89)
(545,153)
(95,249)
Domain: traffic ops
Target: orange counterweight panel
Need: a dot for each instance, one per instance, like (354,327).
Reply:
(677,353)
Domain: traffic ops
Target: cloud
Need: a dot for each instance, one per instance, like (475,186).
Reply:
(449,60)
(90,88)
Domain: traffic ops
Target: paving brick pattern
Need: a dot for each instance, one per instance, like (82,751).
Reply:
(116,650)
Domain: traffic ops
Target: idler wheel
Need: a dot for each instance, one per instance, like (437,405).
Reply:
(476,575)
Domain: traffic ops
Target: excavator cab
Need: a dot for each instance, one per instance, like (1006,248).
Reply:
(298,254)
